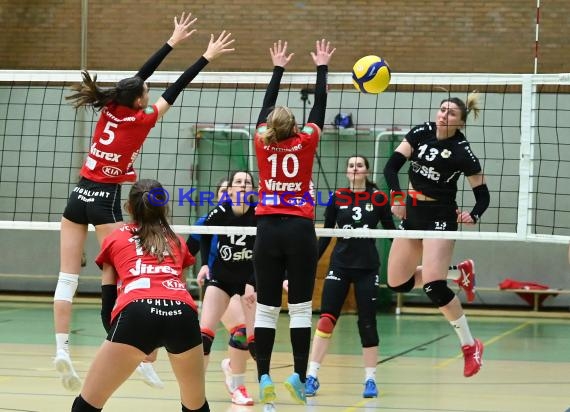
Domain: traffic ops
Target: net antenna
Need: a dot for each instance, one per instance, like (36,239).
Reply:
(536,36)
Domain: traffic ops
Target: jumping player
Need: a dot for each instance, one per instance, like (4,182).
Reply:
(286,241)
(125,121)
(439,153)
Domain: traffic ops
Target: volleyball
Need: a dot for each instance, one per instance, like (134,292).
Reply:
(371,74)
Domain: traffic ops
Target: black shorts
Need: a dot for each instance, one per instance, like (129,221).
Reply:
(95,203)
(148,324)
(430,215)
(284,245)
(228,287)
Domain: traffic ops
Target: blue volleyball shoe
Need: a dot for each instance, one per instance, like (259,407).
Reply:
(370,389)
(266,389)
(311,386)
(296,388)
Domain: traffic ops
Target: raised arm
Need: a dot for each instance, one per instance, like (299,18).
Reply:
(321,57)
(180,33)
(280,59)
(216,48)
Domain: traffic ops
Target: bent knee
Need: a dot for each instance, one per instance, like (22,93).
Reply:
(439,293)
(404,287)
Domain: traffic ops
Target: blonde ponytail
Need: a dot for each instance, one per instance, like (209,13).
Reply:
(281,125)
(472,103)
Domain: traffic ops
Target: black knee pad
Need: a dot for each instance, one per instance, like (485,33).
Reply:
(404,287)
(207,340)
(81,405)
(439,293)
(368,333)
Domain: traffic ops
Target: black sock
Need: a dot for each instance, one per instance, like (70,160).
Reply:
(264,340)
(203,408)
(300,342)
(81,405)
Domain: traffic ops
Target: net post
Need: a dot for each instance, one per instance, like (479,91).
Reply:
(524,218)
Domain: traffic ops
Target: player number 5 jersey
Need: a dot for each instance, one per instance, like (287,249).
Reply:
(118,137)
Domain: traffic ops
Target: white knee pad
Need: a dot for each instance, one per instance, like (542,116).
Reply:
(266,316)
(300,314)
(66,287)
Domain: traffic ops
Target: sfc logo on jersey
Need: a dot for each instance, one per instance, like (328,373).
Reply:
(428,172)
(227,254)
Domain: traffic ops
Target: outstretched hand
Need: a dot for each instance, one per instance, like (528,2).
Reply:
(323,52)
(181,29)
(219,46)
(279,54)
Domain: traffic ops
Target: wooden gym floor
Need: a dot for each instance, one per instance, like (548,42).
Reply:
(526,368)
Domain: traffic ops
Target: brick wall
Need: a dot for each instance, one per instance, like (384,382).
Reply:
(413,35)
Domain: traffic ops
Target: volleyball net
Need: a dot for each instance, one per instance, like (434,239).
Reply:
(522,138)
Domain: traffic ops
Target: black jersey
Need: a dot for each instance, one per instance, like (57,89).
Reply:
(233,262)
(437,164)
(346,212)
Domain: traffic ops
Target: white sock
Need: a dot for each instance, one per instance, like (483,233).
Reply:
(453,274)
(238,380)
(462,329)
(314,369)
(369,373)
(62,341)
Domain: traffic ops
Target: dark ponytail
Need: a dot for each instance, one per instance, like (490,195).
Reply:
(148,206)
(89,93)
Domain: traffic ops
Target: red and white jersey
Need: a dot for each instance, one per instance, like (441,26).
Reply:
(140,276)
(285,171)
(118,137)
